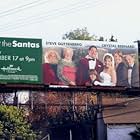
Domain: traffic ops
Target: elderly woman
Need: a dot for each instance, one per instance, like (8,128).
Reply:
(66,69)
(51,59)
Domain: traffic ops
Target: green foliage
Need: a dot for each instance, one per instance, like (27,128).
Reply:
(136,134)
(13,124)
(79,34)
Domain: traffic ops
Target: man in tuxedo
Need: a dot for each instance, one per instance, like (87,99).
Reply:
(87,63)
(133,71)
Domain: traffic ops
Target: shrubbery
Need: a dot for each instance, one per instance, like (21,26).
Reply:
(13,125)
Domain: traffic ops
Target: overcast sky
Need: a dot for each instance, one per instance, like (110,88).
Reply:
(50,19)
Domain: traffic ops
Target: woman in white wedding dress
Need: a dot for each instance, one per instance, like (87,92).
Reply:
(108,75)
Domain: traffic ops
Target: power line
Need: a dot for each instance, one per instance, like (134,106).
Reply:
(123,113)
(22,7)
(55,11)
(39,19)
(59,12)
(121,103)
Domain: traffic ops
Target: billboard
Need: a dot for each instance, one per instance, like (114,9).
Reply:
(20,60)
(87,63)
(68,62)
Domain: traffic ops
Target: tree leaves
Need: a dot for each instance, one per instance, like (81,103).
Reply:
(79,34)
(13,123)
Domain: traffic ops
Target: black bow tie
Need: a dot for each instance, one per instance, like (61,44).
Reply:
(91,59)
(130,67)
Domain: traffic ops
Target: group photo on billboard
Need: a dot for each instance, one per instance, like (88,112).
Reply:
(90,63)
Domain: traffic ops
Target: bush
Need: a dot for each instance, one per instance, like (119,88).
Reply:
(13,124)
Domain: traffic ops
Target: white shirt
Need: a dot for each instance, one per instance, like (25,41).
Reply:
(92,64)
(129,74)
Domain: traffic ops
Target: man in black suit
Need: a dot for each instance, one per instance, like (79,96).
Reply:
(133,71)
(121,69)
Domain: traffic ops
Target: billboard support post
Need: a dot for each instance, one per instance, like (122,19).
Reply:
(101,130)
(31,100)
(15,99)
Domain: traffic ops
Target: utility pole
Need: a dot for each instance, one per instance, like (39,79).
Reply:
(101,129)
(138,41)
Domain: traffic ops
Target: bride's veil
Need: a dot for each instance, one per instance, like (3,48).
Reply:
(109,54)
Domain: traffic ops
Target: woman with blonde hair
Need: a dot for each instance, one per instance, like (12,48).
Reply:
(51,56)
(108,75)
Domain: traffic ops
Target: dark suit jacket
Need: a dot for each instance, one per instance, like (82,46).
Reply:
(83,68)
(122,75)
(135,76)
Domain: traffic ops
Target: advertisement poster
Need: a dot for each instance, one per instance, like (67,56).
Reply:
(20,60)
(90,63)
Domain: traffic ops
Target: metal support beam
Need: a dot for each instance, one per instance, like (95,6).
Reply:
(101,129)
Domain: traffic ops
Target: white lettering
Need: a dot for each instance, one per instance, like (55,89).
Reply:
(25,44)
(5,57)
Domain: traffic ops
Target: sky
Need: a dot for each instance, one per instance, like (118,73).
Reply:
(51,19)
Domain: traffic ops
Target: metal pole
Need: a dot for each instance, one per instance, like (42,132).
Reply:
(31,100)
(101,130)
(70,134)
(15,99)
(86,102)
